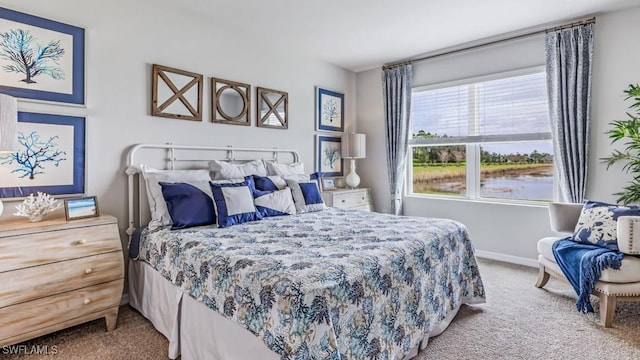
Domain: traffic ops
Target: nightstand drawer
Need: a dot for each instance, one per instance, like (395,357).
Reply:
(39,281)
(45,247)
(29,316)
(351,199)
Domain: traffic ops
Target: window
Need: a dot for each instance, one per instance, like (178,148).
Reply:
(483,139)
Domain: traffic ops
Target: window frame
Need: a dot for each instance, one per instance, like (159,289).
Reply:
(473,165)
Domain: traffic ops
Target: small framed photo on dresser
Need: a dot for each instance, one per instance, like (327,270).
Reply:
(328,183)
(80,208)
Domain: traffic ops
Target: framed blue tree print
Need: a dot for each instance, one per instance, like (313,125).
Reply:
(41,59)
(329,110)
(50,157)
(329,160)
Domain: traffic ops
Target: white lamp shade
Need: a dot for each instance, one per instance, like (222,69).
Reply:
(354,146)
(8,124)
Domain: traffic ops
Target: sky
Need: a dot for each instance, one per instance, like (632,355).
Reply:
(503,106)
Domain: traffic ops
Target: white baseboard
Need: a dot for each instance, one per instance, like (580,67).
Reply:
(507,258)
(125,299)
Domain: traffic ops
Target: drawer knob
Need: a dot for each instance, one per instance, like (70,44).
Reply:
(344,200)
(88,271)
(87,301)
(363,198)
(81,241)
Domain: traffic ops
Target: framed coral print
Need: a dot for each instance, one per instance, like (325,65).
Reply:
(329,110)
(175,93)
(41,59)
(50,157)
(329,160)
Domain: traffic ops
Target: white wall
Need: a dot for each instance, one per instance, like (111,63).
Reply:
(510,231)
(123,39)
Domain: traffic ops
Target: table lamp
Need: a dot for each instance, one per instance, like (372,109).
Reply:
(353,147)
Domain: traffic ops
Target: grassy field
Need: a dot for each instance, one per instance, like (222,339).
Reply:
(457,172)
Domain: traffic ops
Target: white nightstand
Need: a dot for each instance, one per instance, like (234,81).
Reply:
(355,199)
(56,273)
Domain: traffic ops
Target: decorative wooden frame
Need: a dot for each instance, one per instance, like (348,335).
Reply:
(81,208)
(329,110)
(66,136)
(61,75)
(220,113)
(160,73)
(269,116)
(325,165)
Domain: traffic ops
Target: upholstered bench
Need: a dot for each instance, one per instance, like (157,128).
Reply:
(613,285)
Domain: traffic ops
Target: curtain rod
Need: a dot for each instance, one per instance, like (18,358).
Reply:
(491,43)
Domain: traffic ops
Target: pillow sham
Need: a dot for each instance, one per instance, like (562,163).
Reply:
(597,224)
(274,168)
(188,205)
(275,203)
(269,183)
(306,196)
(224,170)
(159,212)
(234,203)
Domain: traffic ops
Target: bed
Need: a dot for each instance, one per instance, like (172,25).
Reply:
(328,284)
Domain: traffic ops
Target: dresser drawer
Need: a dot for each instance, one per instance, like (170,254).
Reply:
(39,281)
(351,199)
(45,247)
(29,316)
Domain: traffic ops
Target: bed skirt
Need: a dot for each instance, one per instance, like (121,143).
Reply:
(196,332)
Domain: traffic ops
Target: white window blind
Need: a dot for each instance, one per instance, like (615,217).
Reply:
(512,108)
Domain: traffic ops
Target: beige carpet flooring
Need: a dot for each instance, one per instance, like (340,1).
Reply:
(518,321)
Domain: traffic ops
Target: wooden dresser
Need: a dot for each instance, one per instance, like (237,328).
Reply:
(56,273)
(355,199)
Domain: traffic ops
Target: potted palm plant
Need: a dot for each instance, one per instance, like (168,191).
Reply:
(628,131)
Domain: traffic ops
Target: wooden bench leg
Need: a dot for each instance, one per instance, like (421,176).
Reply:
(607,309)
(111,319)
(543,276)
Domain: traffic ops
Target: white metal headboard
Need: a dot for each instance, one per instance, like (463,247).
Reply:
(173,155)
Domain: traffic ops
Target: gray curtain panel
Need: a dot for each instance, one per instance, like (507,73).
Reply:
(396,87)
(569,54)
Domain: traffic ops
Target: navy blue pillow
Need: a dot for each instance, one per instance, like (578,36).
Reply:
(311,193)
(188,206)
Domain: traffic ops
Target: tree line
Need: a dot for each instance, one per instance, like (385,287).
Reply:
(456,154)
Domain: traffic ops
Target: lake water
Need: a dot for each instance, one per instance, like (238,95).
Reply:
(527,186)
(521,187)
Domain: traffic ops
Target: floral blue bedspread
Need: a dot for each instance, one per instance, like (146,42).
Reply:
(334,284)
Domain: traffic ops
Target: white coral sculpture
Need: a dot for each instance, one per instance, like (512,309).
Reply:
(35,208)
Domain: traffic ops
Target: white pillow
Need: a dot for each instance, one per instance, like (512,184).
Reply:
(224,170)
(274,168)
(158,207)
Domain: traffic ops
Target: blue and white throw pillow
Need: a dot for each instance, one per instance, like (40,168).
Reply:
(598,223)
(234,203)
(306,196)
(269,183)
(188,205)
(275,203)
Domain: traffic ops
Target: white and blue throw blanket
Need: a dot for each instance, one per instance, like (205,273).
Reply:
(582,265)
(333,284)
